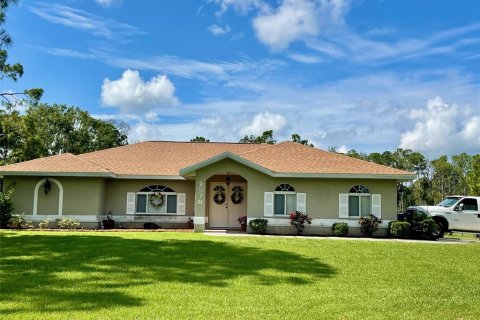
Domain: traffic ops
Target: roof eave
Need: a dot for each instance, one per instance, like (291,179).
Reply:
(58,174)
(190,170)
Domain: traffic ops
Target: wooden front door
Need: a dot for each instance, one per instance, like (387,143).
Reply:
(227,204)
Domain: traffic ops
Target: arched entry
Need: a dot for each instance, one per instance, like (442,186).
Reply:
(50,202)
(227,201)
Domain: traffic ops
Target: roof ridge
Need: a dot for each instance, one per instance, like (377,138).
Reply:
(92,163)
(264,146)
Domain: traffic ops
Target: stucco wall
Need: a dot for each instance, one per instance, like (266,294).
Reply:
(322,194)
(116,193)
(81,196)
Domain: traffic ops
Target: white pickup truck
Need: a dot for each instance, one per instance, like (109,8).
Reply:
(455,213)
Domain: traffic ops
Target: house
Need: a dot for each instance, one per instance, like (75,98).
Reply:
(215,183)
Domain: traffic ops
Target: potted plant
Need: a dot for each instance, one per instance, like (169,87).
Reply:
(243,222)
(190,223)
(108,223)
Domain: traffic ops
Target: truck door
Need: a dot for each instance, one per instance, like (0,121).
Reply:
(470,215)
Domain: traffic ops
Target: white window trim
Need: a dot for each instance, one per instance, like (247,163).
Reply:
(360,195)
(155,213)
(284,202)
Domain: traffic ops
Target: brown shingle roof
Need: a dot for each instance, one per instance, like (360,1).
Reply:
(63,163)
(164,158)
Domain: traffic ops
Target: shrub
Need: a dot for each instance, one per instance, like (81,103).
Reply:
(6,206)
(298,219)
(422,225)
(340,229)
(368,225)
(20,222)
(67,223)
(44,224)
(399,229)
(258,225)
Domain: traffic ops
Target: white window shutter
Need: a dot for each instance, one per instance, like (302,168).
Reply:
(302,202)
(131,202)
(377,205)
(343,205)
(181,203)
(268,204)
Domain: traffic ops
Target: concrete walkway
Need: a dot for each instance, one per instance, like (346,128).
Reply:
(237,233)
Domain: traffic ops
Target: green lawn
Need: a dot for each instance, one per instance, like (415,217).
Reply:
(147,275)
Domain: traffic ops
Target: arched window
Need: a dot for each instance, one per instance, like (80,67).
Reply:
(156,199)
(284,199)
(359,201)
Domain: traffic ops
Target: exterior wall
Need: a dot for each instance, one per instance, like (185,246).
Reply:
(322,196)
(81,196)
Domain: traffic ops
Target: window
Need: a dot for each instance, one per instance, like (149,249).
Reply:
(469,204)
(284,199)
(359,202)
(156,199)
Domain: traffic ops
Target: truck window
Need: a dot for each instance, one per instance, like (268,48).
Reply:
(470,204)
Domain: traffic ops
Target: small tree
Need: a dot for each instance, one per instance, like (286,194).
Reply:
(368,225)
(6,206)
(199,139)
(298,220)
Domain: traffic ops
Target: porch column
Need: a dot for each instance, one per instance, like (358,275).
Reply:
(200,202)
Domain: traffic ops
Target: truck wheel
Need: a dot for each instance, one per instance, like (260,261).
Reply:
(440,230)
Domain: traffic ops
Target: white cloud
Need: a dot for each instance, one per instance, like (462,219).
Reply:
(218,30)
(242,6)
(293,20)
(106,3)
(151,116)
(343,149)
(85,21)
(265,121)
(305,58)
(132,94)
(443,129)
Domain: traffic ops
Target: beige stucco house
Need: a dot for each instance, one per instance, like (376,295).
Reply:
(214,183)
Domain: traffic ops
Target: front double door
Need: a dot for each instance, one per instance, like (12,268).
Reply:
(227,204)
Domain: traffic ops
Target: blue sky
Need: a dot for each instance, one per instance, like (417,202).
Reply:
(371,75)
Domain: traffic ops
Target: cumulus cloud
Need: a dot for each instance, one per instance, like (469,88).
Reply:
(218,30)
(442,128)
(265,121)
(131,93)
(291,21)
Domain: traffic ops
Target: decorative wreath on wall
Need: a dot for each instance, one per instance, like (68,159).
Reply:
(157,199)
(219,197)
(237,195)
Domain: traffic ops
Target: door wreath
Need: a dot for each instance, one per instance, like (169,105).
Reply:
(157,199)
(237,197)
(219,197)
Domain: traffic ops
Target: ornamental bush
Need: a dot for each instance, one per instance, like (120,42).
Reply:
(399,229)
(67,223)
(6,207)
(340,229)
(258,226)
(298,220)
(44,224)
(20,222)
(369,224)
(422,225)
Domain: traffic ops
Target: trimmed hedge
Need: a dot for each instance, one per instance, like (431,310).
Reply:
(340,229)
(399,229)
(258,226)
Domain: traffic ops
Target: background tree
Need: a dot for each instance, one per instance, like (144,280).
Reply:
(12,71)
(266,137)
(199,139)
(296,138)
(46,130)
(473,176)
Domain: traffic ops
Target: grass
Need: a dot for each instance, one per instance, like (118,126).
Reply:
(83,275)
